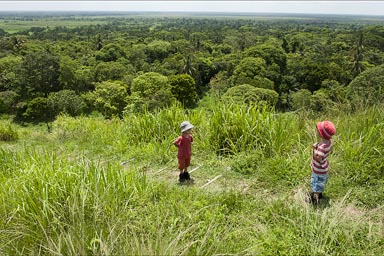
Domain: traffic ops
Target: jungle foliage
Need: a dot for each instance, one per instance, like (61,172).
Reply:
(148,62)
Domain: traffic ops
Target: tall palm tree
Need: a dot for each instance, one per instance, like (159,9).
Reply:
(357,65)
(187,67)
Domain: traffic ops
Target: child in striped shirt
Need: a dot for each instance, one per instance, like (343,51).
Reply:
(319,162)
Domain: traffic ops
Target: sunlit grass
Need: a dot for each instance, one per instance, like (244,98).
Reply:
(89,187)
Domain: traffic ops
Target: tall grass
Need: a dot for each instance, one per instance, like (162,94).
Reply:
(8,132)
(68,193)
(362,144)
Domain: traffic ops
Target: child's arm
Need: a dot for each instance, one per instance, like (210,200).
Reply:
(318,157)
(176,142)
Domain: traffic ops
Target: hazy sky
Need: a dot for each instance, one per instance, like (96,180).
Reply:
(314,7)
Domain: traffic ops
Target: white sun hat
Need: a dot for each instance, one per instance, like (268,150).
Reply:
(185,126)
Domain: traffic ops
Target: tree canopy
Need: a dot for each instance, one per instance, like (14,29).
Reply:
(146,63)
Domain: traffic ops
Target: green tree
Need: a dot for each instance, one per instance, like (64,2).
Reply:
(38,110)
(358,54)
(7,101)
(272,54)
(183,87)
(110,98)
(66,101)
(188,67)
(205,70)
(137,56)
(8,73)
(40,73)
(67,77)
(308,73)
(335,91)
(250,70)
(367,88)
(150,91)
(109,71)
(158,50)
(219,84)
(110,52)
(84,77)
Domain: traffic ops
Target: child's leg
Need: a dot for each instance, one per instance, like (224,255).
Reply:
(318,183)
(186,173)
(181,169)
(181,176)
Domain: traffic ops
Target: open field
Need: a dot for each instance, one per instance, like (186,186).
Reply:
(17,25)
(13,22)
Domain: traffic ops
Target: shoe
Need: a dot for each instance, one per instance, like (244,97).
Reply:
(187,176)
(181,177)
(315,198)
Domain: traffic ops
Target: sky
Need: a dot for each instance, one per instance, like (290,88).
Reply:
(304,7)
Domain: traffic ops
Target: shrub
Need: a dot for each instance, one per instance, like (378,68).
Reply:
(183,87)
(150,91)
(320,101)
(248,69)
(110,98)
(8,132)
(367,88)
(66,101)
(38,111)
(7,99)
(300,99)
(251,95)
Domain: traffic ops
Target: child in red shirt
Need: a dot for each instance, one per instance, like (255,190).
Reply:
(184,145)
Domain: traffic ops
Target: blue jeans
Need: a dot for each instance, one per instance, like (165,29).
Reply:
(318,182)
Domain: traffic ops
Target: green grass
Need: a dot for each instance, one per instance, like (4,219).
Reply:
(108,187)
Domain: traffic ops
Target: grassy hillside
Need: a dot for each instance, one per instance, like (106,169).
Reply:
(109,187)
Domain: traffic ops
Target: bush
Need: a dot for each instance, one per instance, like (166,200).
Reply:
(320,101)
(251,95)
(300,99)
(38,111)
(110,98)
(367,88)
(150,91)
(183,87)
(66,101)
(7,99)
(8,132)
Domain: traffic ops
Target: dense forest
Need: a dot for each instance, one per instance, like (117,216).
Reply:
(133,63)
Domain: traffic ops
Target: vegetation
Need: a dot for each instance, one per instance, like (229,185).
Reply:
(148,56)
(109,187)
(112,92)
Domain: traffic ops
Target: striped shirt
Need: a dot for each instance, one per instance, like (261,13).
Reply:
(321,152)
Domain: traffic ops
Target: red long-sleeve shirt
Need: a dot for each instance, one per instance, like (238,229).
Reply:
(184,145)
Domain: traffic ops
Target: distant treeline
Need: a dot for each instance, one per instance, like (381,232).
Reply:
(137,62)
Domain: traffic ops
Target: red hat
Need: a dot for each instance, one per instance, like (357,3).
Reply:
(326,129)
